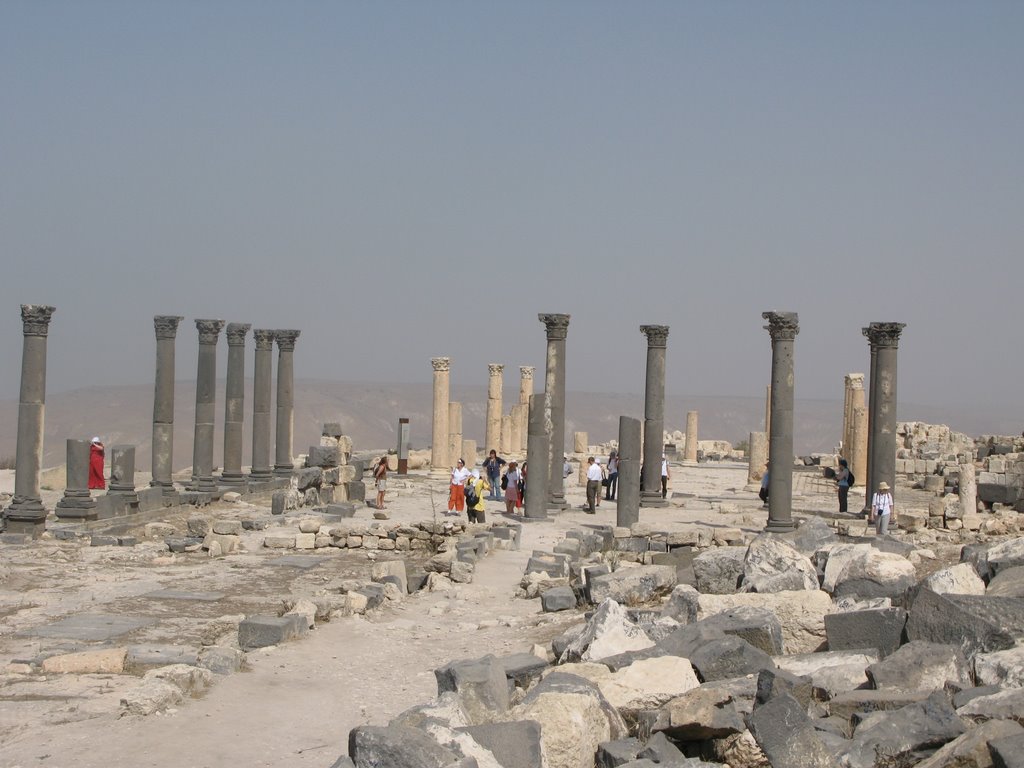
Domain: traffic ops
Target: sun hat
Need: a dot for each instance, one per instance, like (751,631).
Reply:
(883,486)
(95,440)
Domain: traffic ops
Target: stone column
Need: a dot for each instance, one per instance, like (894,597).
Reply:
(884,339)
(783,328)
(844,437)
(262,397)
(654,415)
(166,327)
(871,483)
(284,463)
(968,488)
(206,399)
(505,435)
(122,473)
(26,514)
(78,503)
(768,410)
(758,443)
(859,443)
(691,436)
(439,464)
(627,500)
(454,432)
(536,504)
(516,422)
(403,445)
(525,391)
(234,404)
(556,327)
(492,428)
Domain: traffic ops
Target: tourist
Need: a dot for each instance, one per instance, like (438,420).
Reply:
(510,482)
(566,467)
(613,476)
(96,457)
(843,478)
(665,476)
(881,508)
(380,480)
(763,493)
(457,490)
(594,476)
(492,466)
(476,511)
(522,483)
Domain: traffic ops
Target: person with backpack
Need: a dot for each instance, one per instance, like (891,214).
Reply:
(510,484)
(492,465)
(474,493)
(844,477)
(380,480)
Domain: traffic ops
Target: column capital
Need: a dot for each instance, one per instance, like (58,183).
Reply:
(166,325)
(657,335)
(440,363)
(209,330)
(236,333)
(285,338)
(264,338)
(35,319)
(557,326)
(782,326)
(495,369)
(884,334)
(526,372)
(856,380)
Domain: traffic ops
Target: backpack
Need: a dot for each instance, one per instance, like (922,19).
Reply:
(850,478)
(504,482)
(471,496)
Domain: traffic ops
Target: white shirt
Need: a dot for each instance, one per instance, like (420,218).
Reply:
(594,472)
(882,503)
(664,467)
(459,475)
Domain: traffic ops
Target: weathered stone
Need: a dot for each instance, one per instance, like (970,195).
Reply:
(758,626)
(801,614)
(682,604)
(515,744)
(879,628)
(771,682)
(1003,705)
(660,750)
(860,570)
(786,736)
(609,632)
(846,705)
(1009,582)
(830,672)
(1006,554)
(772,565)
(611,754)
(480,684)
(105,661)
(279,541)
(262,631)
(227,527)
(921,666)
(960,579)
(812,535)
(729,657)
(396,745)
(972,749)
(220,660)
(718,571)
(976,624)
(150,697)
(391,569)
(523,669)
(701,713)
(558,599)
(1007,751)
(1004,668)
(143,658)
(633,586)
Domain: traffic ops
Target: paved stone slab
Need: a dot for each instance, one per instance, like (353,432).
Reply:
(89,627)
(184,594)
(297,561)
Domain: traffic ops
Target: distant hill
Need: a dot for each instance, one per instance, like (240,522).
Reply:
(369,413)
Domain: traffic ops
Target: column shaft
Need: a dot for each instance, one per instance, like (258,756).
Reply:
(206,401)
(783,327)
(537,464)
(691,436)
(859,443)
(556,327)
(284,462)
(627,500)
(234,404)
(492,426)
(758,444)
(162,457)
(262,397)
(884,339)
(78,503)
(439,461)
(525,392)
(654,415)
(455,432)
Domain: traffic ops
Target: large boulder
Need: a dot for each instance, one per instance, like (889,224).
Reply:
(515,744)
(633,585)
(960,579)
(862,571)
(644,684)
(1003,705)
(830,672)
(922,666)
(729,657)
(879,628)
(608,633)
(480,684)
(758,626)
(372,746)
(1004,668)
(718,571)
(682,604)
(1005,554)
(801,614)
(1009,582)
(703,713)
(811,535)
(786,735)
(976,624)
(972,749)
(772,565)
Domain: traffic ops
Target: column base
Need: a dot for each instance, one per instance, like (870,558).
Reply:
(557,502)
(780,526)
(76,508)
(261,475)
(202,485)
(654,500)
(233,478)
(440,474)
(25,516)
(283,470)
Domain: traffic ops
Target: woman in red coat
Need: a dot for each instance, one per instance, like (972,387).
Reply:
(96,465)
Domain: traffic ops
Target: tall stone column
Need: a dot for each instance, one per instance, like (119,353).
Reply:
(206,400)
(262,397)
(768,409)
(758,443)
(26,513)
(783,328)
(627,499)
(691,436)
(556,327)
(284,462)
(492,427)
(516,421)
(884,339)
(439,463)
(859,444)
(844,437)
(968,487)
(525,392)
(455,432)
(78,503)
(536,504)
(234,404)
(871,483)
(166,327)
(654,415)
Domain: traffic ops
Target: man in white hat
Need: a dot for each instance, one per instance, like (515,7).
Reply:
(881,508)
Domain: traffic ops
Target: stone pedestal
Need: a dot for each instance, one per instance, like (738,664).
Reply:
(654,416)
(536,504)
(26,513)
(691,436)
(439,461)
(492,427)
(968,488)
(758,446)
(122,474)
(556,327)
(166,327)
(234,404)
(262,397)
(783,328)
(78,503)
(455,432)
(525,391)
(403,445)
(859,444)
(884,340)
(627,500)
(206,400)
(284,462)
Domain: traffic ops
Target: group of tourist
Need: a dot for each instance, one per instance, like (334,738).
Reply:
(468,486)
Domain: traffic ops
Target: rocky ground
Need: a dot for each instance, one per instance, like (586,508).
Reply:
(295,703)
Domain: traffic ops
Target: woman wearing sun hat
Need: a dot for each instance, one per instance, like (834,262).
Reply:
(96,457)
(881,508)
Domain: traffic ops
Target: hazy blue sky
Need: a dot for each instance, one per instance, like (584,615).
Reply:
(405,180)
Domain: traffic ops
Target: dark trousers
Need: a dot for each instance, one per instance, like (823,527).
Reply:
(593,488)
(613,484)
(476,517)
(664,486)
(763,494)
(844,491)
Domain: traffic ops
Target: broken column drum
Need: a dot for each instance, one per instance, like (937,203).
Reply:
(757,445)
(556,327)
(262,396)
(783,328)
(627,500)
(536,504)
(122,473)
(234,404)
(284,463)
(206,399)
(26,514)
(78,503)
(654,415)
(439,428)
(492,427)
(884,339)
(166,327)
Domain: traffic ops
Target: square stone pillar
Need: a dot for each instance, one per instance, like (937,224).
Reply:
(758,444)
(654,416)
(166,327)
(403,445)
(783,328)
(556,327)
(122,474)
